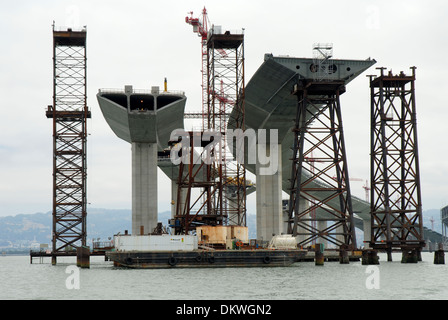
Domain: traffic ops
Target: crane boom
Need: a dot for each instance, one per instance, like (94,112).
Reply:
(201,28)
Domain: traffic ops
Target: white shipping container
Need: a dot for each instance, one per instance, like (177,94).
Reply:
(284,242)
(155,243)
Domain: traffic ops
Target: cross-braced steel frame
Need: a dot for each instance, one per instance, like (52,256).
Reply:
(222,200)
(396,207)
(69,113)
(319,171)
(196,173)
(226,85)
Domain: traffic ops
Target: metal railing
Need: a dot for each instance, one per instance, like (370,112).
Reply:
(221,30)
(69,29)
(143,91)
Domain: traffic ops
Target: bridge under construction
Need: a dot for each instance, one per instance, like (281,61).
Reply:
(296,101)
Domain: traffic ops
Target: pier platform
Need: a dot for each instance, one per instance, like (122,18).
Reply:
(332,255)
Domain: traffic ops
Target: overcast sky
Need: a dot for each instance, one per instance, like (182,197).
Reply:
(142,42)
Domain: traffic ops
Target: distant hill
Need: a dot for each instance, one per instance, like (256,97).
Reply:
(23,230)
(20,230)
(432,224)
(434,215)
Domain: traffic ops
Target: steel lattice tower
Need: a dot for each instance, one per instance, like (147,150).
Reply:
(69,113)
(396,206)
(319,144)
(226,86)
(222,179)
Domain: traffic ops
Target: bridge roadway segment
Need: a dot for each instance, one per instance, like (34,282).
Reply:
(269,104)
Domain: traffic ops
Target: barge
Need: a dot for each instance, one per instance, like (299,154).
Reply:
(185,251)
(206,259)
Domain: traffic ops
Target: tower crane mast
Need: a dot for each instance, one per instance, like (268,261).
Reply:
(200,26)
(367,189)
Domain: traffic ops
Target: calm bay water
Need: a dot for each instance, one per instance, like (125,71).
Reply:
(21,280)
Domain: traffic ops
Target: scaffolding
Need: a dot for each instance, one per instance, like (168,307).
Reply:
(200,26)
(396,207)
(199,187)
(214,171)
(226,86)
(69,113)
(319,171)
(322,67)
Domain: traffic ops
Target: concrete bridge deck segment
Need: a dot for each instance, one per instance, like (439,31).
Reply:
(269,104)
(145,119)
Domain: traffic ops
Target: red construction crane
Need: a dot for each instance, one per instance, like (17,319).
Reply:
(200,26)
(367,188)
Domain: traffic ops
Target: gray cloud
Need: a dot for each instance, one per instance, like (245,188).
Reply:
(142,42)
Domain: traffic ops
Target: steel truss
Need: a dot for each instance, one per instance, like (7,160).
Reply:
(226,85)
(222,180)
(396,207)
(69,113)
(319,172)
(199,196)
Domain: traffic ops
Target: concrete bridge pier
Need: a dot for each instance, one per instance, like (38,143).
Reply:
(144,187)
(269,194)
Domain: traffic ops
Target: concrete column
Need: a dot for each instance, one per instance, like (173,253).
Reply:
(233,205)
(83,257)
(367,232)
(319,257)
(285,219)
(269,195)
(322,225)
(173,198)
(439,255)
(183,195)
(369,257)
(340,235)
(144,187)
(409,256)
